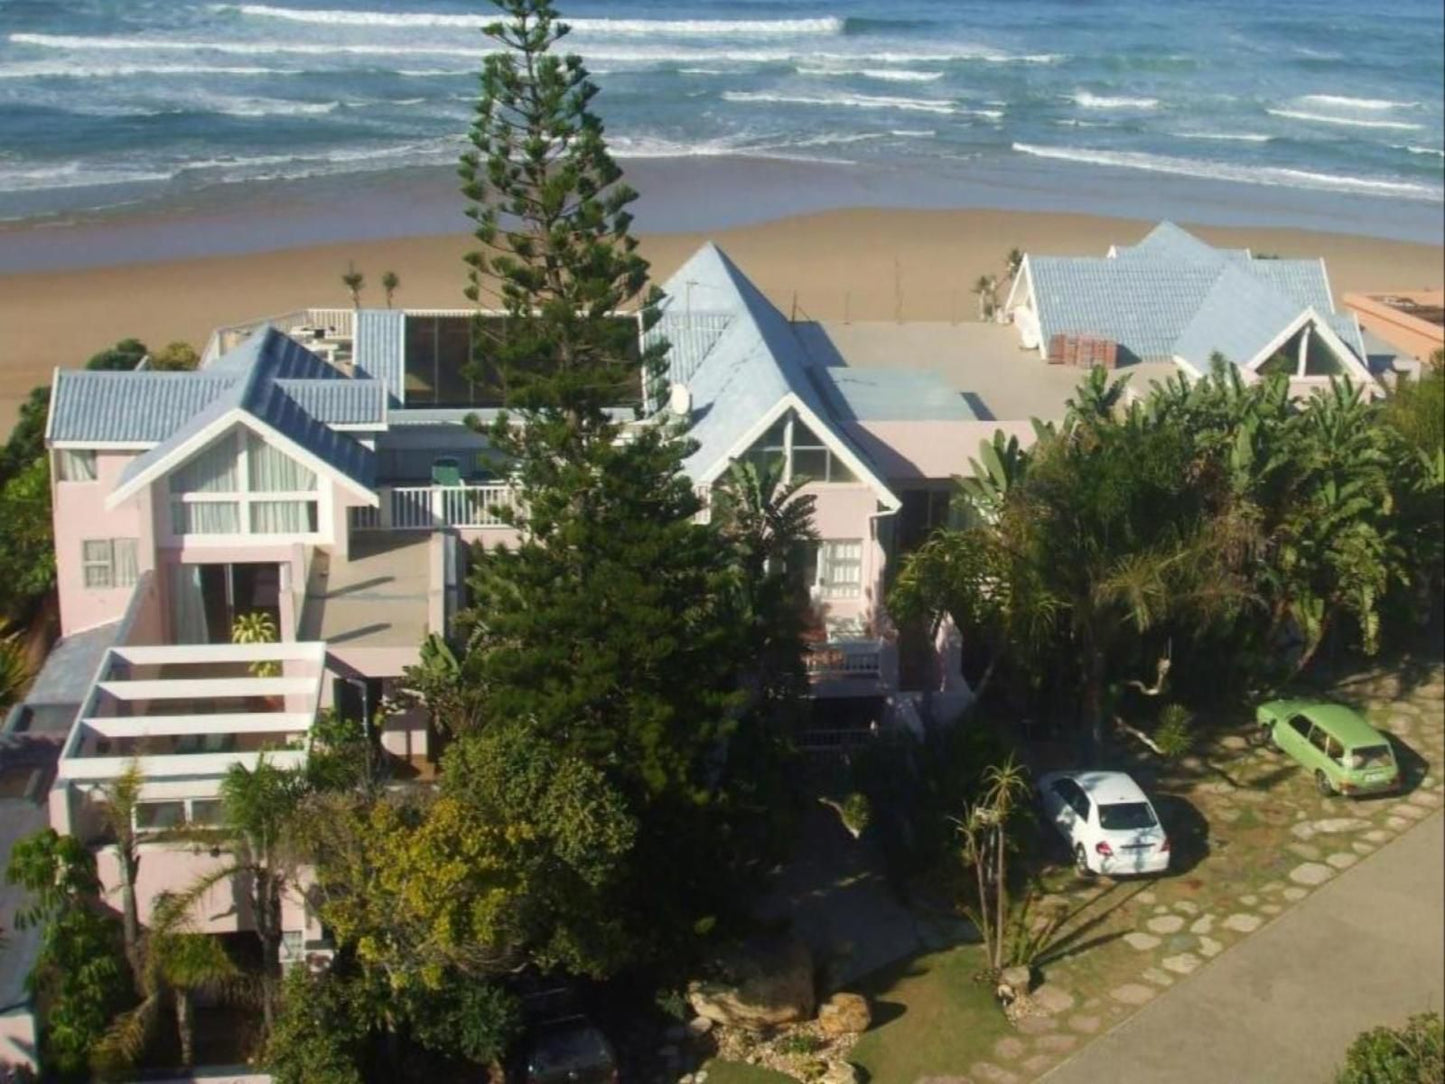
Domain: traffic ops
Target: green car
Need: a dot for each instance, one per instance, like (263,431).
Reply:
(1346,754)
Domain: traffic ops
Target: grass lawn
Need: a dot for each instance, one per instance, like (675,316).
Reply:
(732,1072)
(930,1018)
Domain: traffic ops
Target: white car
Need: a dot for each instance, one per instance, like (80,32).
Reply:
(1109,824)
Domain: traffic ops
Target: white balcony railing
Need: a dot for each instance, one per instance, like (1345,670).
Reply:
(847,659)
(424,508)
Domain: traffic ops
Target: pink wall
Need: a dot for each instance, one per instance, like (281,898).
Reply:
(174,868)
(80,514)
(842,512)
(908,451)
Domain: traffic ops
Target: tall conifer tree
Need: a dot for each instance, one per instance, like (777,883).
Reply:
(610,630)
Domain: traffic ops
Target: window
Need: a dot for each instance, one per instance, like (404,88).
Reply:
(159,816)
(1300,725)
(840,569)
(791,446)
(1126,816)
(219,491)
(108,562)
(75,466)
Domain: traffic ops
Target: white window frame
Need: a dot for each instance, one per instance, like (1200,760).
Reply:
(789,449)
(188,817)
(114,572)
(833,555)
(65,460)
(244,497)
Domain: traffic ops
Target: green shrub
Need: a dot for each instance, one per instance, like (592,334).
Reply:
(1414,1054)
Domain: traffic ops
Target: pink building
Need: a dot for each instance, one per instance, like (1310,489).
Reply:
(318,469)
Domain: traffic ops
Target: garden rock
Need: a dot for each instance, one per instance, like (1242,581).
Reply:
(1183,964)
(1342,860)
(1141,941)
(1311,873)
(1165,924)
(844,1014)
(840,1072)
(760,984)
(1132,993)
(1053,1000)
(1242,923)
(699,1026)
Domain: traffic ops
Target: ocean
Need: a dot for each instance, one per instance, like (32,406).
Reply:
(1325,104)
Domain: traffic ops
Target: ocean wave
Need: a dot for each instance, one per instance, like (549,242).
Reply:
(1377,104)
(1413,149)
(913,133)
(119,71)
(1264,175)
(1348,122)
(889,75)
(646,147)
(72,175)
(1098,101)
(626,27)
(1226,137)
(857,101)
(268,107)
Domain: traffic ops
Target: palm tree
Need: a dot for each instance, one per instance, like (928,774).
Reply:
(986,290)
(985,833)
(119,800)
(389,282)
(354,281)
(176,964)
(14,669)
(771,527)
(258,807)
(1014,262)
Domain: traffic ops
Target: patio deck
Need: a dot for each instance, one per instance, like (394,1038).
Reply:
(1000,380)
(377,598)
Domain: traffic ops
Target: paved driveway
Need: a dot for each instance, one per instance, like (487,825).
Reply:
(1366,949)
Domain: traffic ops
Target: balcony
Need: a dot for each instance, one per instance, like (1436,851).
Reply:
(425,508)
(837,664)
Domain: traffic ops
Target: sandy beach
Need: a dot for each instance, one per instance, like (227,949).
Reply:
(876,264)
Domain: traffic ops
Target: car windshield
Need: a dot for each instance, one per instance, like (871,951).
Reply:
(1371,756)
(1124,816)
(570,1050)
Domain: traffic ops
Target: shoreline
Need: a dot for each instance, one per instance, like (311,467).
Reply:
(859,263)
(678,195)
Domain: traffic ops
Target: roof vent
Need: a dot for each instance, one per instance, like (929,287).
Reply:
(679,400)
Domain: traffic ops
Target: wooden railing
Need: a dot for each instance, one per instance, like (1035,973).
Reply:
(424,508)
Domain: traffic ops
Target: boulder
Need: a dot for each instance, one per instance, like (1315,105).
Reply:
(699,1026)
(839,1072)
(760,984)
(844,1014)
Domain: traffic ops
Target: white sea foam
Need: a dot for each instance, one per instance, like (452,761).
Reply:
(72,175)
(857,101)
(889,75)
(1264,175)
(118,71)
(1413,149)
(1099,101)
(1227,137)
(628,27)
(1376,104)
(1348,122)
(267,107)
(914,133)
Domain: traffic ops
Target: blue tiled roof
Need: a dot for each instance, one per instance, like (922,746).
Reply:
(258,388)
(379,349)
(1172,295)
(339,402)
(753,361)
(128,408)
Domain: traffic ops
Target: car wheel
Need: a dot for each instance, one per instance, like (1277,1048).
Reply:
(1322,784)
(1273,736)
(1081,863)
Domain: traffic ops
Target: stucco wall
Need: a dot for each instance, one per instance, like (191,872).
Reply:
(79,513)
(841,513)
